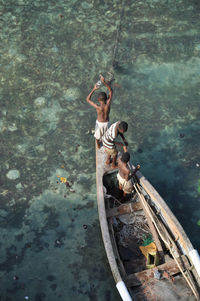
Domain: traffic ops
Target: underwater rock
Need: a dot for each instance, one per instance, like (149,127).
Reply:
(53,287)
(86,5)
(40,101)
(12,127)
(51,278)
(40,296)
(19,186)
(13,174)
(72,94)
(54,49)
(77,147)
(40,148)
(2,127)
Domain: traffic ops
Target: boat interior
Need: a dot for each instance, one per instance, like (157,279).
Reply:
(145,263)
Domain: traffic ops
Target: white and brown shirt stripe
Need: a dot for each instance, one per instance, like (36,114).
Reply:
(110,135)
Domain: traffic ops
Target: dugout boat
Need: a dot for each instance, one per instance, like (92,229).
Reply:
(150,255)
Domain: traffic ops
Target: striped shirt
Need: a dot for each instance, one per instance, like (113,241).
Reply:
(110,135)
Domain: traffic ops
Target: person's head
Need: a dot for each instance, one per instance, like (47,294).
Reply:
(123,127)
(125,157)
(102,97)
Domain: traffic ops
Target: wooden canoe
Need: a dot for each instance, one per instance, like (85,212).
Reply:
(126,223)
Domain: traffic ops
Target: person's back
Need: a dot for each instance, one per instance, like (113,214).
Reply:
(102,110)
(123,175)
(124,170)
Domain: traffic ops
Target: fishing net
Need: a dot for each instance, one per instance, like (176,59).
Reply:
(137,230)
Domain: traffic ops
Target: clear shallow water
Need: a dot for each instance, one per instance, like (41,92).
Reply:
(51,55)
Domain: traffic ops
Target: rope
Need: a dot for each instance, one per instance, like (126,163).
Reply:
(116,44)
(115,50)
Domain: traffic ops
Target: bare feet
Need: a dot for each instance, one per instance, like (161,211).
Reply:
(107,162)
(98,144)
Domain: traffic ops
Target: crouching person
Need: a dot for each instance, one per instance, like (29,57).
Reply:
(124,175)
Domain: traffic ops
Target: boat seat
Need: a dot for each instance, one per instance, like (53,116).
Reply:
(124,209)
(170,267)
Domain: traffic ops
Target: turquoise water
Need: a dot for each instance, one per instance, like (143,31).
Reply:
(51,55)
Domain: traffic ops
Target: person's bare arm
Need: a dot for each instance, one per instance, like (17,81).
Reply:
(118,143)
(88,99)
(134,172)
(125,149)
(126,174)
(109,89)
(123,138)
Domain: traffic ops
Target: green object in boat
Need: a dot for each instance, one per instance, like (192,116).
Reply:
(148,240)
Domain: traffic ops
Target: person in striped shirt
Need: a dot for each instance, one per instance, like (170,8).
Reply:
(109,143)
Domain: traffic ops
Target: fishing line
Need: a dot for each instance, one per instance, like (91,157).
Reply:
(116,43)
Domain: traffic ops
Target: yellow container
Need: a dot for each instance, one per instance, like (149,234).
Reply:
(152,260)
(151,254)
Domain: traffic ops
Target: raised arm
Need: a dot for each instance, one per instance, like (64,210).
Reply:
(88,99)
(109,89)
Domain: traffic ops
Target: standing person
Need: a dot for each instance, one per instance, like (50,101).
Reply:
(103,110)
(124,175)
(109,143)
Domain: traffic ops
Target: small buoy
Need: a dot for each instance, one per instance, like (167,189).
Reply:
(26,297)
(197,164)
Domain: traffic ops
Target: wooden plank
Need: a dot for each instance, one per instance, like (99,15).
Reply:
(124,209)
(147,275)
